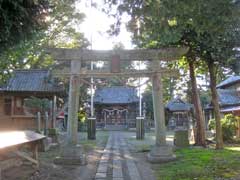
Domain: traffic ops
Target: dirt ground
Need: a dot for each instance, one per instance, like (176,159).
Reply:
(93,149)
(49,171)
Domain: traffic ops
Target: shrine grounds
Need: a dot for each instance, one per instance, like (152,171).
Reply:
(193,163)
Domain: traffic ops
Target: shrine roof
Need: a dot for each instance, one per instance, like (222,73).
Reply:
(228,96)
(34,80)
(229,81)
(178,105)
(116,95)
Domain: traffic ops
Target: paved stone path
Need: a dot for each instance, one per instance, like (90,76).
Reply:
(116,162)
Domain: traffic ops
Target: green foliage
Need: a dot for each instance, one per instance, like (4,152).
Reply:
(82,116)
(205,98)
(147,99)
(229,126)
(37,104)
(60,30)
(82,120)
(169,84)
(210,29)
(21,20)
(211,124)
(202,164)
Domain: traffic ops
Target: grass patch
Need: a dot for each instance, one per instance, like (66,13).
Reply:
(101,140)
(201,164)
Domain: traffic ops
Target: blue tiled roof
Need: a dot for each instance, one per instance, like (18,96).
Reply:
(31,81)
(178,105)
(228,81)
(115,95)
(228,97)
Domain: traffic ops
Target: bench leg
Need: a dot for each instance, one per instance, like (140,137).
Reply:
(34,157)
(35,153)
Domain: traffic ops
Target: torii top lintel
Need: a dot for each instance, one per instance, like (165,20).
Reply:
(163,54)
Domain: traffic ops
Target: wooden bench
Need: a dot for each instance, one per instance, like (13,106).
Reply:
(13,141)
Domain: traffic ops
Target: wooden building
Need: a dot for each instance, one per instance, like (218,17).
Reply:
(229,98)
(116,107)
(178,113)
(21,86)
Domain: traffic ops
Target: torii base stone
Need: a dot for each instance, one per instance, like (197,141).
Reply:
(71,155)
(161,154)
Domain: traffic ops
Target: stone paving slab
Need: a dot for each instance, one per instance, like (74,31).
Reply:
(117,168)
(102,168)
(118,150)
(100,175)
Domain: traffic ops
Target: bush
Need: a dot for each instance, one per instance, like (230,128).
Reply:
(82,120)
(229,126)
(211,124)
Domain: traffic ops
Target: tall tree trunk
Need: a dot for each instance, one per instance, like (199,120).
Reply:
(200,130)
(215,102)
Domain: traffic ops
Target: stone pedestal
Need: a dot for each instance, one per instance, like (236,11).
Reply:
(181,138)
(161,154)
(71,155)
(140,127)
(91,128)
(53,133)
(44,145)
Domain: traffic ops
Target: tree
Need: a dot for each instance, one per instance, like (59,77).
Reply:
(60,30)
(20,20)
(210,28)
(200,130)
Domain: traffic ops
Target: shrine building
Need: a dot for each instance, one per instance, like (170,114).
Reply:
(116,107)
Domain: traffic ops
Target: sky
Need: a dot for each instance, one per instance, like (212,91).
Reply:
(97,23)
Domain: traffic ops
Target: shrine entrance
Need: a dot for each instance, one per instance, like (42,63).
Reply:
(116,116)
(161,151)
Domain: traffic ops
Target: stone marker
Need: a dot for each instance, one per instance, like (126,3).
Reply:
(91,128)
(181,138)
(140,131)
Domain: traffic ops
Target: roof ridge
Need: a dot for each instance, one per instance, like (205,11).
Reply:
(229,80)
(227,90)
(29,70)
(129,87)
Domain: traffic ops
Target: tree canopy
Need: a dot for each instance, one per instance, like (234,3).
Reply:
(20,20)
(209,28)
(58,28)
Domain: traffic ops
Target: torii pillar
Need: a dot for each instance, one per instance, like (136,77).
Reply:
(161,152)
(75,154)
(73,102)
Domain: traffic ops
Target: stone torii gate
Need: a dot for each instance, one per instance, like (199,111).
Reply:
(161,151)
